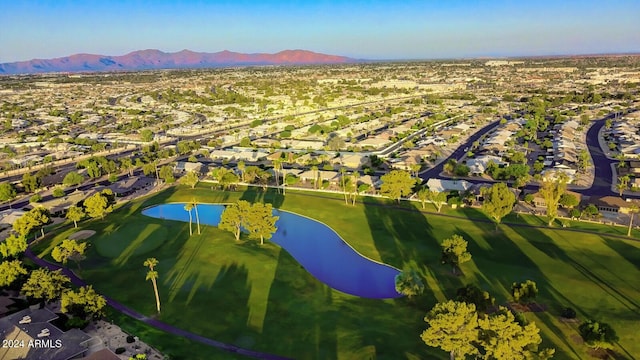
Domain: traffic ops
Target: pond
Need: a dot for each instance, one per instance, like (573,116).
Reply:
(319,249)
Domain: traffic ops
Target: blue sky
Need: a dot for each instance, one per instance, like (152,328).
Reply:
(409,29)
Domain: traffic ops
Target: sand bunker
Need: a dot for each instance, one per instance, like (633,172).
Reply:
(81,235)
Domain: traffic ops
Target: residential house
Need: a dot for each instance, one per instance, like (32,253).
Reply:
(614,204)
(35,327)
(441,185)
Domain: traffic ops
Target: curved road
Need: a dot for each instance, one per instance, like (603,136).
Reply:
(603,176)
(435,171)
(153,322)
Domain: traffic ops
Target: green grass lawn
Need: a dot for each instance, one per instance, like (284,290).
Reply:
(259,297)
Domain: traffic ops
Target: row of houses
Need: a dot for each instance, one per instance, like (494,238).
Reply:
(626,133)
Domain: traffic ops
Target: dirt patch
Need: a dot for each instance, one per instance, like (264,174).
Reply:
(532,307)
(82,234)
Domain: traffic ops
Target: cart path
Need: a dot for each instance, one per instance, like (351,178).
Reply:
(154,322)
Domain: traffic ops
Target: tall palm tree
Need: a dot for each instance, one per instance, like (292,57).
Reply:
(195,206)
(632,211)
(187,208)
(354,186)
(314,168)
(343,181)
(277,163)
(153,276)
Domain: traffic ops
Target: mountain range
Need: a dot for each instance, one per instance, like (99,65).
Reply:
(156,59)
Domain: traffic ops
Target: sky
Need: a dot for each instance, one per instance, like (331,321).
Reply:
(373,29)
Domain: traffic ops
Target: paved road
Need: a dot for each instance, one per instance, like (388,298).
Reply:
(459,152)
(153,322)
(603,176)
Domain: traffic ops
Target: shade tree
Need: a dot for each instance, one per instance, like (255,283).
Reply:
(13,246)
(10,271)
(69,249)
(498,201)
(472,294)
(598,335)
(453,327)
(524,292)
(396,184)
(260,222)
(454,251)
(409,283)
(84,303)
(191,179)
(7,191)
(551,190)
(75,214)
(45,285)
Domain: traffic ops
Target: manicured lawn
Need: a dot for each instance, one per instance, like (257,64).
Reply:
(261,298)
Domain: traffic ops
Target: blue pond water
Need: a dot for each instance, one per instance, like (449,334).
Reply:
(318,248)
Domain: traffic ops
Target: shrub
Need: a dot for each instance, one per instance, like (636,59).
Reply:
(597,335)
(130,339)
(35,198)
(120,350)
(568,313)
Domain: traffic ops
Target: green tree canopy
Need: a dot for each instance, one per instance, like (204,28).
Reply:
(97,205)
(75,214)
(233,217)
(190,179)
(454,251)
(438,198)
(73,178)
(166,173)
(10,271)
(83,303)
(7,191)
(453,327)
(31,182)
(69,250)
(396,184)
(471,294)
(13,246)
(260,221)
(45,285)
(146,135)
(409,283)
(502,337)
(551,190)
(568,201)
(597,335)
(498,201)
(524,292)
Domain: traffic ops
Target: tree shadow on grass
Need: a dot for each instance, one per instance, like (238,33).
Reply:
(382,329)
(300,320)
(256,194)
(624,249)
(218,307)
(407,238)
(548,246)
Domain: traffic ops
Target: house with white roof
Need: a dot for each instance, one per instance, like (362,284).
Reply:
(442,185)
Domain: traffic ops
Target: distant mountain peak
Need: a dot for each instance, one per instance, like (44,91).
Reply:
(156,59)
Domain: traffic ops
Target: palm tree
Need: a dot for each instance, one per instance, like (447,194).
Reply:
(343,181)
(632,211)
(153,276)
(276,166)
(187,208)
(314,168)
(354,178)
(623,183)
(241,168)
(195,206)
